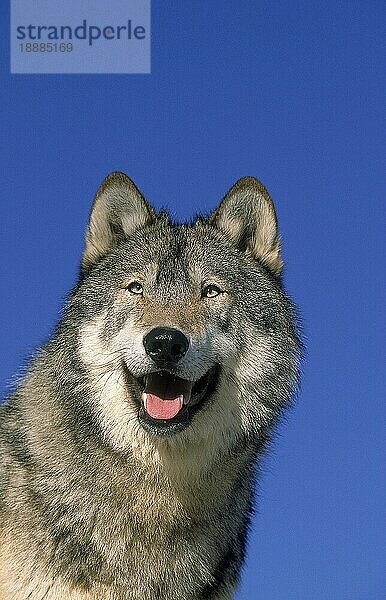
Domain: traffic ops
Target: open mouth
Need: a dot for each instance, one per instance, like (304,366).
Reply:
(168,402)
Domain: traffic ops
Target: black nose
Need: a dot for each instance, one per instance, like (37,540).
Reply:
(165,345)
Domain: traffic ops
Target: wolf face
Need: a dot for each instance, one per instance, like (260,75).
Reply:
(185,332)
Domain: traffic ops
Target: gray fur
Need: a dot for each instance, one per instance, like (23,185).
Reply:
(93,506)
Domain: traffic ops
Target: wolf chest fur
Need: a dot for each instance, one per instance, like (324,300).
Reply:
(128,450)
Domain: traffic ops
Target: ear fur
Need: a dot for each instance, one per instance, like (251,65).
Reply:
(247,216)
(117,211)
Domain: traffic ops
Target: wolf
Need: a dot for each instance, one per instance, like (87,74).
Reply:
(129,449)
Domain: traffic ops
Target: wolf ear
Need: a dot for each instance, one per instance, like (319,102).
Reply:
(118,210)
(247,216)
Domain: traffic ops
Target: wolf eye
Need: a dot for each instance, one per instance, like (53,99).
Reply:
(211,291)
(135,288)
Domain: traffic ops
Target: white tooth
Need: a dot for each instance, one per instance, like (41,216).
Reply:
(144,399)
(184,400)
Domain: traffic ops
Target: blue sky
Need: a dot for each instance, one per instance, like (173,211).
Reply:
(290,92)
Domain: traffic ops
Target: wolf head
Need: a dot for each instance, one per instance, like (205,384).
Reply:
(184,332)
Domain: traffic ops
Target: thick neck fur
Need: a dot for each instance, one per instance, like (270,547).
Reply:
(155,484)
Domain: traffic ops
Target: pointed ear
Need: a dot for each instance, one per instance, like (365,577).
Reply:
(118,210)
(247,216)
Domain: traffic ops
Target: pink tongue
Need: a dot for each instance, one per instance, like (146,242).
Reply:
(158,408)
(165,395)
